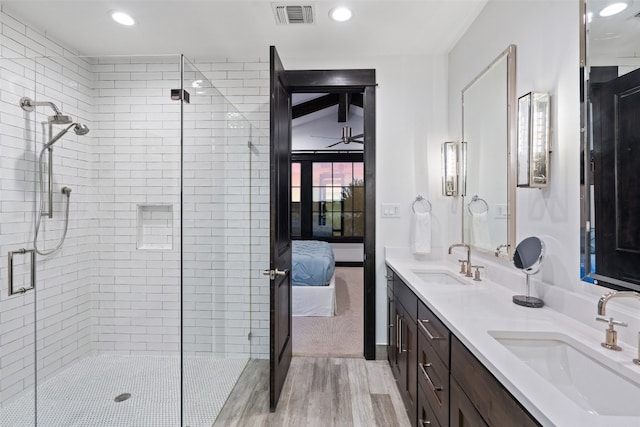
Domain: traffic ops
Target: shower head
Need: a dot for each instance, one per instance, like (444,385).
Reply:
(60,119)
(81,129)
(78,128)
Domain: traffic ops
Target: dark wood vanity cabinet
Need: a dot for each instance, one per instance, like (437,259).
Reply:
(433,365)
(402,347)
(463,413)
(492,401)
(441,382)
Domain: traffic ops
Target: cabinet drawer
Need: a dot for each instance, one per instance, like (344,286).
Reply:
(405,297)
(435,332)
(426,416)
(493,401)
(433,378)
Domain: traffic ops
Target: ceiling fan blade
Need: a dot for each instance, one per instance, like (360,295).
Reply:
(323,137)
(333,145)
(357,136)
(359,142)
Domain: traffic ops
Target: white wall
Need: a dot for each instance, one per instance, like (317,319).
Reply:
(61,303)
(410,126)
(546,36)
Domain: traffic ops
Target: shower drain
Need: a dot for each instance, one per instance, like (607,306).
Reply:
(122,397)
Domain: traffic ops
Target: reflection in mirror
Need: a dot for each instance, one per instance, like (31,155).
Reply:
(528,258)
(488,168)
(610,111)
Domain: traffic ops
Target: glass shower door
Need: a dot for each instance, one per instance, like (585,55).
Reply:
(216,247)
(108,312)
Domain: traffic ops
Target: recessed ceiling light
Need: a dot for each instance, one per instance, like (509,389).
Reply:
(612,9)
(340,14)
(123,18)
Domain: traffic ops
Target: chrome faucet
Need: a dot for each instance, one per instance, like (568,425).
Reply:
(602,309)
(464,245)
(604,299)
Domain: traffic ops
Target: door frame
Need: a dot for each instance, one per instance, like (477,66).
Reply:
(354,81)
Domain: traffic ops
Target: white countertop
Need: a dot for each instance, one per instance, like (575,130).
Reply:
(470,312)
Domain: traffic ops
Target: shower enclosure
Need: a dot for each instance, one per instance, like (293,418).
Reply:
(143,316)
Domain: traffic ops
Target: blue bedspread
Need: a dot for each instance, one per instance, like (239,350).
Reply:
(312,263)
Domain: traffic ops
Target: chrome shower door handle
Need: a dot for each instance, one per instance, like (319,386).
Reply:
(32,270)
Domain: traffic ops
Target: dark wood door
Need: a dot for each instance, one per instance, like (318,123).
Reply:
(280,232)
(616,143)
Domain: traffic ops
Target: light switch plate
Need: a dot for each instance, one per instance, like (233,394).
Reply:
(391,210)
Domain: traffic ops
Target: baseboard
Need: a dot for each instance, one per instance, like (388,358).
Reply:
(381,352)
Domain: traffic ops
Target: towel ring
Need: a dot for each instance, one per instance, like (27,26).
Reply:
(476,199)
(425,202)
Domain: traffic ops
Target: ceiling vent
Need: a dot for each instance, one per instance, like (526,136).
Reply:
(293,14)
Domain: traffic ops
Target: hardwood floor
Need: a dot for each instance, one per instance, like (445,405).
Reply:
(317,392)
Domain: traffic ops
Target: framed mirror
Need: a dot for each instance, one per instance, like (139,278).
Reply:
(489,157)
(610,137)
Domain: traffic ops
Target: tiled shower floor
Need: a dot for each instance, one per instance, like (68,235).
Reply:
(83,394)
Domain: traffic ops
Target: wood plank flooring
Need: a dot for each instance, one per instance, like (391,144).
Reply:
(317,392)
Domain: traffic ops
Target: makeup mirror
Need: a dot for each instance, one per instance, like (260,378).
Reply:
(528,258)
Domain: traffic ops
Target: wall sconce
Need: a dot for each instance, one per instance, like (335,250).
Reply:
(449,169)
(534,143)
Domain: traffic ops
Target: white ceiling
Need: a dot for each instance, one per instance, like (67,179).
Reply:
(243,28)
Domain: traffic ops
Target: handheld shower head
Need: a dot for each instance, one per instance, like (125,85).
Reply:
(81,129)
(78,128)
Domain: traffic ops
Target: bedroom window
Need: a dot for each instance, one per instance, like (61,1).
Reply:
(328,198)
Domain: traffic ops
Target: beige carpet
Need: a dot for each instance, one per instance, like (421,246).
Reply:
(342,334)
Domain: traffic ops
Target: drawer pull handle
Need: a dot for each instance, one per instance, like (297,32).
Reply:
(400,331)
(425,422)
(434,389)
(432,337)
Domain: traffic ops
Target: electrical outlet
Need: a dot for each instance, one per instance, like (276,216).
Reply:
(390,210)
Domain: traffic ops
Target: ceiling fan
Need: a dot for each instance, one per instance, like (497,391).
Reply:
(346,139)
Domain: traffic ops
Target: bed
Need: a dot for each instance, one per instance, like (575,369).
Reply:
(313,280)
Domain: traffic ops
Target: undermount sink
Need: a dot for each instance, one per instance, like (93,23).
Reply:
(439,277)
(595,383)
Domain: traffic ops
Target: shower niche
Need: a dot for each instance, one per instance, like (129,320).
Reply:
(155,227)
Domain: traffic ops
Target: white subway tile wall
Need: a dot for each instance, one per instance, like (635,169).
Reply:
(100,293)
